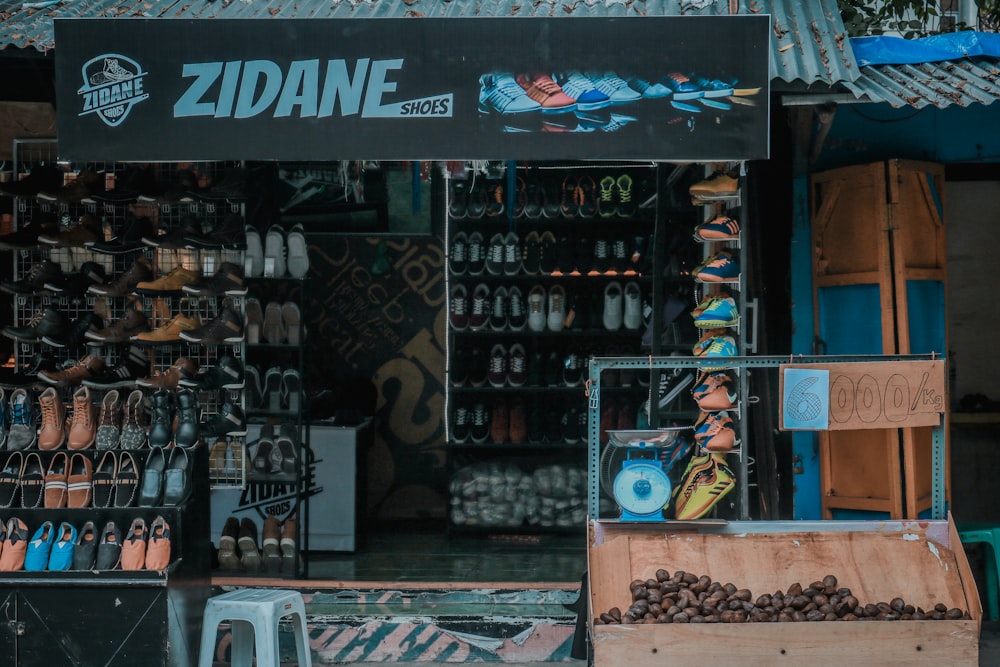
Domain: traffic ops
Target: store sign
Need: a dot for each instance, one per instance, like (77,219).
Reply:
(686,88)
(852,396)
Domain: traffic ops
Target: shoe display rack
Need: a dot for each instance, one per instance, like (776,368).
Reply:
(548,266)
(128,341)
(699,428)
(278,445)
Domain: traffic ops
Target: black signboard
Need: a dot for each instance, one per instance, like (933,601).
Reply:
(686,88)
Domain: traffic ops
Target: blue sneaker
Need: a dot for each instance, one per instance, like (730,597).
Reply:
(715,347)
(581,89)
(61,557)
(613,123)
(615,87)
(501,92)
(721,268)
(720,228)
(712,87)
(718,312)
(22,429)
(37,558)
(682,87)
(649,91)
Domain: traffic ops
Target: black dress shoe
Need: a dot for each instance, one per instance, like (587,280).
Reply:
(127,480)
(177,479)
(109,550)
(151,491)
(85,550)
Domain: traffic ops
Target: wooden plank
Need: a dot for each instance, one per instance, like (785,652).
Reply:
(965,573)
(842,279)
(609,573)
(867,504)
(767,644)
(876,566)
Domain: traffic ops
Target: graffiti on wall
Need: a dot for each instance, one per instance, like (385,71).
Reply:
(379,322)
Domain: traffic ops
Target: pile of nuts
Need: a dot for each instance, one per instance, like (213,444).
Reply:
(687,598)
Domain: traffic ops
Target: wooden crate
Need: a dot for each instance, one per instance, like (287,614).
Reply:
(922,562)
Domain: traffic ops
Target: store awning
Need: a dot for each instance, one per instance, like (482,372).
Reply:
(808,42)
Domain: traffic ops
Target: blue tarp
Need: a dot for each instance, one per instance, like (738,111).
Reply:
(949,46)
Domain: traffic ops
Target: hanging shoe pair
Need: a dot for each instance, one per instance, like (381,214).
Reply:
(706,481)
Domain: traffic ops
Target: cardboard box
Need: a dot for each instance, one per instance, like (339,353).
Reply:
(920,561)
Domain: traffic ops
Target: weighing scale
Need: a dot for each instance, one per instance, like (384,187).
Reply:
(642,487)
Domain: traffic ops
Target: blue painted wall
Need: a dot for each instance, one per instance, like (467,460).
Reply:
(864,133)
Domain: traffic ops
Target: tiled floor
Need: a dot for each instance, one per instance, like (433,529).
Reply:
(428,555)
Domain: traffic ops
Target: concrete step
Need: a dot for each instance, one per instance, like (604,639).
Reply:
(432,626)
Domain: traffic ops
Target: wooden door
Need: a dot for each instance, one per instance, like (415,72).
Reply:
(878,279)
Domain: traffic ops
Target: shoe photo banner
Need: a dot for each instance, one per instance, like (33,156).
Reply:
(682,88)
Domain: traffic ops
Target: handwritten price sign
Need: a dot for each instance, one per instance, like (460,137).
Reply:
(852,396)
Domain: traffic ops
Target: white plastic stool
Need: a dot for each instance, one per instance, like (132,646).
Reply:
(255,613)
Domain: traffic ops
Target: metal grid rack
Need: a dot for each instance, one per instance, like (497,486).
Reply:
(744,365)
(166,217)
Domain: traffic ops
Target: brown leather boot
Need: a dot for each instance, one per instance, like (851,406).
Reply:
(289,549)
(87,367)
(53,428)
(83,426)
(272,553)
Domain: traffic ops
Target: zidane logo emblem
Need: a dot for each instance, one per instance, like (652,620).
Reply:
(112,85)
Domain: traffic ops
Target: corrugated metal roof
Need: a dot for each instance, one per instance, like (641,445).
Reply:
(961,82)
(808,38)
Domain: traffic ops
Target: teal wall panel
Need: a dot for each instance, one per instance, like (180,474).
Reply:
(849,320)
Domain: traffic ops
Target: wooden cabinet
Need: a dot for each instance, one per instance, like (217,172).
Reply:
(879,273)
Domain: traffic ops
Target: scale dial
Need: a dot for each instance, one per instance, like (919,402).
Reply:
(642,488)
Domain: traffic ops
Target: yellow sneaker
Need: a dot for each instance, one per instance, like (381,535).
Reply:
(719,185)
(169,332)
(705,486)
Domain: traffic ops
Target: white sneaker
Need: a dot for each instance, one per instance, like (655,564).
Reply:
(274,249)
(557,308)
(536,308)
(298,253)
(291,318)
(613,306)
(633,306)
(274,325)
(255,254)
(255,321)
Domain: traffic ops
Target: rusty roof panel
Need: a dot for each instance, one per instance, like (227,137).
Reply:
(807,43)
(941,84)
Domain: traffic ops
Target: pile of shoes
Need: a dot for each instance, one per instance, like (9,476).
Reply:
(616,307)
(276,452)
(182,182)
(279,390)
(280,254)
(240,548)
(275,324)
(542,253)
(584,194)
(228,460)
(59,546)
